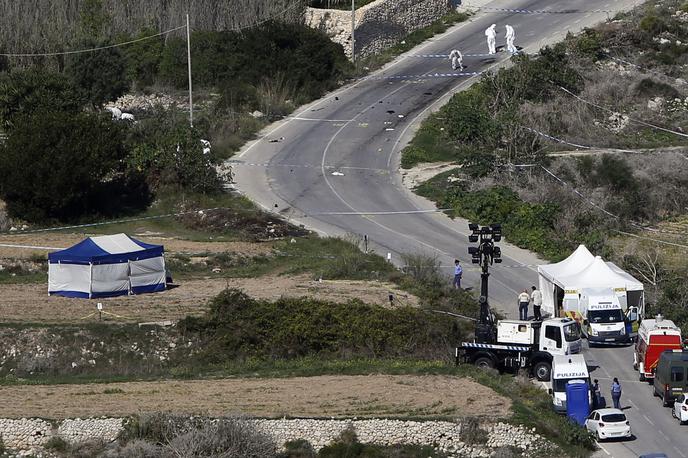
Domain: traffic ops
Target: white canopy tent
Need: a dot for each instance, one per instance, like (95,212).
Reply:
(549,276)
(106,266)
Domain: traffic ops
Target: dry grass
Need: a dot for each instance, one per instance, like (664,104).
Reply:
(322,396)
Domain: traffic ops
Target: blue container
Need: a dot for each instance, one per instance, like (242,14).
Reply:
(577,401)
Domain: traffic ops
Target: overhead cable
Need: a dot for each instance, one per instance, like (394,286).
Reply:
(98,48)
(637,121)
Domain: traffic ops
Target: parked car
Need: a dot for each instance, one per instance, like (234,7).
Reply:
(671,376)
(680,410)
(608,424)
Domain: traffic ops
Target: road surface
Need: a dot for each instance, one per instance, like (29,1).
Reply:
(333,167)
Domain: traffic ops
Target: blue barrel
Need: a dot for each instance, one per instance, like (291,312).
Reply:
(577,401)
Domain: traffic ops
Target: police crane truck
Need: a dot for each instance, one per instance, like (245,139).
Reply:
(513,344)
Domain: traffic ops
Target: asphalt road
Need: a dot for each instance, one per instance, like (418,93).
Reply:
(333,167)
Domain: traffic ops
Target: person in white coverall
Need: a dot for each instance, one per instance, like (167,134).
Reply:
(510,37)
(491,35)
(456,59)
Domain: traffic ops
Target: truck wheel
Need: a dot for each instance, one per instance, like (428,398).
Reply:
(484,363)
(542,371)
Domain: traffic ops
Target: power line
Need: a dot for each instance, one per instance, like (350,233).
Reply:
(117,45)
(99,48)
(612,111)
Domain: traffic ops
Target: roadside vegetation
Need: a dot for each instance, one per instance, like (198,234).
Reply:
(588,90)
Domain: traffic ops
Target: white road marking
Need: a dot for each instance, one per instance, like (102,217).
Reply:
(603,449)
(664,435)
(648,420)
(679,452)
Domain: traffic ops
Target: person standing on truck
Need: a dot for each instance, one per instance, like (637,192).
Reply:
(616,393)
(536,295)
(458,273)
(523,301)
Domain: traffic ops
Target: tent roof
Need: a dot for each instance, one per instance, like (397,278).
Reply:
(576,262)
(104,249)
(632,283)
(597,274)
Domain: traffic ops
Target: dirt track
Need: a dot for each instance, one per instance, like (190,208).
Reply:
(31,303)
(323,396)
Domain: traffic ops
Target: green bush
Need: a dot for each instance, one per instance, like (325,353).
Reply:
(310,60)
(170,154)
(65,166)
(23,93)
(56,444)
(299,448)
(467,118)
(652,24)
(100,76)
(238,327)
(648,87)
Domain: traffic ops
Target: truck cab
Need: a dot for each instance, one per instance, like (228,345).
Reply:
(566,369)
(604,321)
(557,336)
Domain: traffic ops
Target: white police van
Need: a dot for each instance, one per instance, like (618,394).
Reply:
(566,368)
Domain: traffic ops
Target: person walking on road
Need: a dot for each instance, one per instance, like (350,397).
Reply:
(536,295)
(491,35)
(510,37)
(616,393)
(523,301)
(458,273)
(456,59)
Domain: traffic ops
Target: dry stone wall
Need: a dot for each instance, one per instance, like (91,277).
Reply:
(379,24)
(31,434)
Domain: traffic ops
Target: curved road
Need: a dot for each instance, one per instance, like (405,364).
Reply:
(333,167)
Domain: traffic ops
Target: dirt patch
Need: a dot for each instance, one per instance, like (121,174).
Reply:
(422,172)
(51,241)
(322,396)
(31,303)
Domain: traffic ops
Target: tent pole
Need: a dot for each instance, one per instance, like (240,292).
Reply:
(90,280)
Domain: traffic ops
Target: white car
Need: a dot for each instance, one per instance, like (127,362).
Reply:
(608,424)
(680,410)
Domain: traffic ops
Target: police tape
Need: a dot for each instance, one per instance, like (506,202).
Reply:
(425,76)
(528,11)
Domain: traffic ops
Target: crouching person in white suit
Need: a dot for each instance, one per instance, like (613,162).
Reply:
(456,59)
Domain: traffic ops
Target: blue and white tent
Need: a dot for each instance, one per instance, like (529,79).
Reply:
(105,266)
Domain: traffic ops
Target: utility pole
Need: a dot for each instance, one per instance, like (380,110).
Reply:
(353,26)
(188,59)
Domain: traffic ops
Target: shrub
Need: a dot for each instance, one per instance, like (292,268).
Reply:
(467,119)
(648,87)
(238,327)
(64,166)
(170,154)
(100,75)
(652,24)
(472,432)
(224,437)
(23,93)
(56,444)
(299,448)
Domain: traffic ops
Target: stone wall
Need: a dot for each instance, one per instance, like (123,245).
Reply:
(447,437)
(379,24)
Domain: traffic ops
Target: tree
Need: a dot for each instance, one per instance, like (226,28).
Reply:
(29,91)
(64,166)
(100,75)
(170,154)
